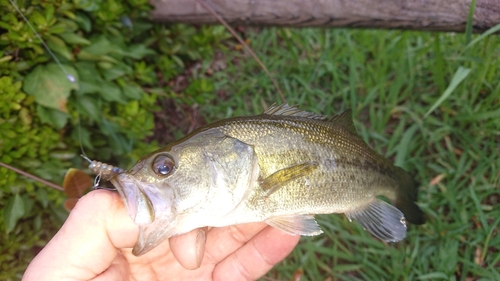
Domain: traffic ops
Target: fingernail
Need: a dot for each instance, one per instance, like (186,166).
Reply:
(201,237)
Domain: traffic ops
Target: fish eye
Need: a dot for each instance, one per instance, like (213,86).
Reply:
(163,165)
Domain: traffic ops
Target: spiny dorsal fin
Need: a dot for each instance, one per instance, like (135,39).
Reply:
(287,110)
(345,120)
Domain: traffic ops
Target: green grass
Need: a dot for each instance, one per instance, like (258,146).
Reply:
(428,101)
(423,100)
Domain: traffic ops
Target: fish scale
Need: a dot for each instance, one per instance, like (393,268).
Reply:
(318,133)
(280,167)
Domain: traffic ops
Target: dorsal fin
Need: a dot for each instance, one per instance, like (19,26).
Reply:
(287,110)
(345,120)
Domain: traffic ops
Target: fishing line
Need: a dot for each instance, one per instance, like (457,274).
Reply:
(70,77)
(100,169)
(103,170)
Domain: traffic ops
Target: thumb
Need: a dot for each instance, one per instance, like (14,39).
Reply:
(189,248)
(88,242)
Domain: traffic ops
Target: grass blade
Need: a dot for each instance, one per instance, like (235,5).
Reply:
(459,76)
(488,32)
(404,146)
(470,19)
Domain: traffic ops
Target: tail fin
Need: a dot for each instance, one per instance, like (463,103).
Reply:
(406,197)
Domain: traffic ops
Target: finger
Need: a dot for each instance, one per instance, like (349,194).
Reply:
(87,243)
(118,270)
(257,257)
(189,248)
(223,241)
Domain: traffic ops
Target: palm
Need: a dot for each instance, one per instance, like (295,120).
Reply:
(95,243)
(240,252)
(163,267)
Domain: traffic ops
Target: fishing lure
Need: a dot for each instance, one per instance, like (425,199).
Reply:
(102,170)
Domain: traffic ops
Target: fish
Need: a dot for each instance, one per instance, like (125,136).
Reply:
(280,167)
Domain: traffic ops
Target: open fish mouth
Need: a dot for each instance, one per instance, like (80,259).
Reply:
(149,208)
(138,204)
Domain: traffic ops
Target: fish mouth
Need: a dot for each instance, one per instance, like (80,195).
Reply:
(138,204)
(150,206)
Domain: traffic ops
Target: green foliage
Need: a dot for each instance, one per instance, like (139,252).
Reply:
(25,143)
(14,210)
(53,81)
(122,63)
(427,101)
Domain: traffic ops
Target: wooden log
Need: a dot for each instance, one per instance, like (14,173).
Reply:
(434,15)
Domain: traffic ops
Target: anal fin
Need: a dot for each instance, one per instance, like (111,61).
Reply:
(381,219)
(283,176)
(296,224)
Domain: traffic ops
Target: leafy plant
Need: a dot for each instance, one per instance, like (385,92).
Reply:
(121,64)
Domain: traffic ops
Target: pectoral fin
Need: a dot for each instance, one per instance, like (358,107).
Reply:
(283,176)
(381,219)
(296,225)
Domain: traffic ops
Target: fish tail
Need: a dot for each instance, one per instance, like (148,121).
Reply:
(406,196)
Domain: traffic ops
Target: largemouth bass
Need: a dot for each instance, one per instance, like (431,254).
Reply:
(280,167)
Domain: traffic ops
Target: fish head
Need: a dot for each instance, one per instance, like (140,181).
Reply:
(188,184)
(149,203)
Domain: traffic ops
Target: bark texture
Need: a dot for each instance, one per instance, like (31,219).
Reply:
(435,15)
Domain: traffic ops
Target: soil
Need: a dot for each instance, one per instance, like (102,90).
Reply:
(174,116)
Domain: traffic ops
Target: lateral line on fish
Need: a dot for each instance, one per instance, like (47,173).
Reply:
(322,168)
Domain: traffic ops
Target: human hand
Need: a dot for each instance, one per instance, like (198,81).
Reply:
(96,240)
